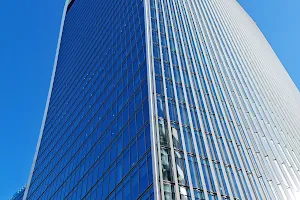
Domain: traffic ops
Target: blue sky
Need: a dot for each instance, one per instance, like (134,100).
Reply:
(27,48)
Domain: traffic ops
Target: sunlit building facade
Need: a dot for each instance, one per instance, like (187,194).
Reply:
(166,99)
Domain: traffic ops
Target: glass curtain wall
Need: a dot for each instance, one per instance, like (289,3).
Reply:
(218,138)
(96,139)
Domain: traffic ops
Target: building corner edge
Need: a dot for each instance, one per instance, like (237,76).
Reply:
(147,20)
(48,99)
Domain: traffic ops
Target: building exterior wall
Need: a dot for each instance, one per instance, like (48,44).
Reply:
(166,99)
(18,195)
(95,142)
(227,113)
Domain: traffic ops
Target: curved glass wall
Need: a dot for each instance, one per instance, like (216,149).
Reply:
(96,138)
(226,110)
(167,99)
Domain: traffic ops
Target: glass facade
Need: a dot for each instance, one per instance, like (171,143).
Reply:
(96,138)
(222,133)
(166,99)
(18,195)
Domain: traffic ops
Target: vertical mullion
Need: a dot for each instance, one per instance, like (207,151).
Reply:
(177,106)
(198,112)
(174,168)
(155,147)
(211,125)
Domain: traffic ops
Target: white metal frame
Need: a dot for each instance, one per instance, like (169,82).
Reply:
(48,99)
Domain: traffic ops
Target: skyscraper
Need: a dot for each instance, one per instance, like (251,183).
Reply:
(18,195)
(166,99)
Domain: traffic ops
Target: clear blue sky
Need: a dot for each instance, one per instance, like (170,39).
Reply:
(28,37)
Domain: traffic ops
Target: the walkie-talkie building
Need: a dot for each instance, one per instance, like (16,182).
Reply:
(166,99)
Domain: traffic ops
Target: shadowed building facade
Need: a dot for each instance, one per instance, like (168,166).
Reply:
(166,99)
(18,195)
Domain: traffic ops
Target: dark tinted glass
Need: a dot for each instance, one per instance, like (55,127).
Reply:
(96,140)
